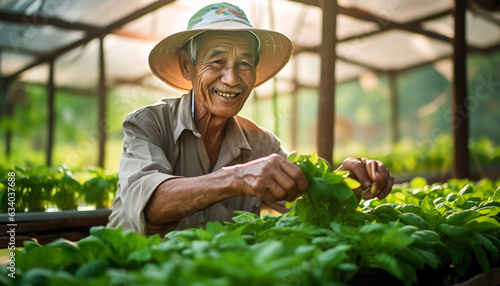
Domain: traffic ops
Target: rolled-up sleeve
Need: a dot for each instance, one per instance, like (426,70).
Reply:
(143,167)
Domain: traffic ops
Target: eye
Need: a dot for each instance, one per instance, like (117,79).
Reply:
(245,64)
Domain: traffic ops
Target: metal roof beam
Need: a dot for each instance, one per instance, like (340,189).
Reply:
(19,50)
(386,24)
(44,20)
(94,34)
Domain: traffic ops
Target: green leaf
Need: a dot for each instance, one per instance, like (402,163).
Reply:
(92,269)
(418,182)
(353,184)
(410,208)
(342,192)
(454,231)
(461,217)
(489,210)
(428,256)
(245,217)
(92,248)
(425,238)
(390,264)
(291,204)
(268,251)
(319,189)
(487,244)
(411,257)
(214,228)
(293,157)
(413,219)
(333,256)
(463,266)
(374,227)
(428,206)
(481,257)
(483,223)
(314,158)
(496,195)
(332,178)
(467,189)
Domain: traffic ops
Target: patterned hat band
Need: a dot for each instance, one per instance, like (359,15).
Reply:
(201,32)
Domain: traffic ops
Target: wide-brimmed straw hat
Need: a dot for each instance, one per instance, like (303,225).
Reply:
(274,51)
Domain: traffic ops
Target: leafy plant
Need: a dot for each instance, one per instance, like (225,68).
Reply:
(466,221)
(329,196)
(66,189)
(416,228)
(101,188)
(41,187)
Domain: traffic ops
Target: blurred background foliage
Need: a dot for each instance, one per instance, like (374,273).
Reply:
(362,128)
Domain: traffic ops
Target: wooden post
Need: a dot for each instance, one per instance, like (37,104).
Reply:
(394,107)
(294,117)
(326,110)
(51,113)
(102,105)
(460,113)
(4,83)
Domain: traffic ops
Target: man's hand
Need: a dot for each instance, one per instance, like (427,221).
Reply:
(371,174)
(271,178)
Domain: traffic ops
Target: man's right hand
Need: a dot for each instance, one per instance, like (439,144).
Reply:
(270,178)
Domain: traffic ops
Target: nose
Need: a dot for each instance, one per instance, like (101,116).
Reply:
(230,76)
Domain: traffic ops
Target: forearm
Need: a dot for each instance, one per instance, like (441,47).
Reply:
(177,198)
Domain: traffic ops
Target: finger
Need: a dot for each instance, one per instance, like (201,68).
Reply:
(274,192)
(372,171)
(367,195)
(294,172)
(357,170)
(284,176)
(380,176)
(287,185)
(387,189)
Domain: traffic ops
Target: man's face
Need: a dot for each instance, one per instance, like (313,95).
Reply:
(224,74)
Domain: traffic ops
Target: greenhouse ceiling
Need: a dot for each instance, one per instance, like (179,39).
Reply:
(372,36)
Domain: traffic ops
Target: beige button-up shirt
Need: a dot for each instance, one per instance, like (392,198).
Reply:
(161,142)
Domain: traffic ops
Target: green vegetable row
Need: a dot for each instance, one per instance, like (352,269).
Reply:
(432,156)
(41,187)
(328,238)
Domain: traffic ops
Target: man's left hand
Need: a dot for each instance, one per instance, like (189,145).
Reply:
(371,174)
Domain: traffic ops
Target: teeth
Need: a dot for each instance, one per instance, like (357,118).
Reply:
(226,94)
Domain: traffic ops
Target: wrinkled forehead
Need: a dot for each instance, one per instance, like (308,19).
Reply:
(242,38)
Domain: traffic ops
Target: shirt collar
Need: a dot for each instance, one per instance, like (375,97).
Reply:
(235,136)
(184,117)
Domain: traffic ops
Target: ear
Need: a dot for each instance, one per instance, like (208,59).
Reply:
(184,64)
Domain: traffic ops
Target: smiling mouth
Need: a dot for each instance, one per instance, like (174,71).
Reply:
(226,94)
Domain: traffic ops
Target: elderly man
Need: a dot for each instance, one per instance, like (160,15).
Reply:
(192,159)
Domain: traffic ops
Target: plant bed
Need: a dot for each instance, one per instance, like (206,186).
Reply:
(43,188)
(45,227)
(328,238)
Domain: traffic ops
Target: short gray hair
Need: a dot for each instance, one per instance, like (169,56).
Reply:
(191,48)
(193,45)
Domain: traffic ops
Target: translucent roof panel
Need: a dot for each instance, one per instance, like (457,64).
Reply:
(481,33)
(92,12)
(10,61)
(399,11)
(35,39)
(350,27)
(411,49)
(360,48)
